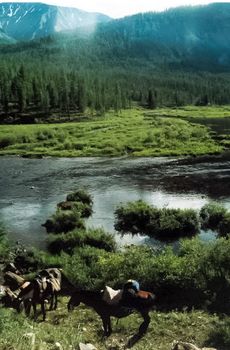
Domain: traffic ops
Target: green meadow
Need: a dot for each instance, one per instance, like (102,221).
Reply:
(83,325)
(133,132)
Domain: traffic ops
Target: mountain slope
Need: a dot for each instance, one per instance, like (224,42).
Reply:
(5,39)
(26,21)
(188,34)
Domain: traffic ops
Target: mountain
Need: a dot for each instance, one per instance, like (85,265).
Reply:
(5,39)
(176,57)
(199,34)
(26,21)
(189,36)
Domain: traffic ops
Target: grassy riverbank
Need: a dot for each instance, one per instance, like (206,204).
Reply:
(186,283)
(83,325)
(136,132)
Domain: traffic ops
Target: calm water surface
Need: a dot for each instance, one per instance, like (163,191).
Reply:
(31,188)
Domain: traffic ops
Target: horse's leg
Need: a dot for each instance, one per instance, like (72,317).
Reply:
(43,309)
(51,302)
(109,326)
(106,325)
(144,326)
(55,300)
(27,306)
(142,329)
(35,310)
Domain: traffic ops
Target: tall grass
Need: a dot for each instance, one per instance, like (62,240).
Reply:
(132,132)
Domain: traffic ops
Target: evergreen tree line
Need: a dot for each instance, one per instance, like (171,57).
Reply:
(67,75)
(24,91)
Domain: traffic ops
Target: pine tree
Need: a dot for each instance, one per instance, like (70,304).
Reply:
(151,100)
(82,104)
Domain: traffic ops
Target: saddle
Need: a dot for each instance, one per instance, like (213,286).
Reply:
(111,296)
(142,294)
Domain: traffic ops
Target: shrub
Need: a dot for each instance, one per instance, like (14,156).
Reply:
(26,261)
(6,141)
(164,224)
(85,210)
(134,217)
(82,267)
(4,245)
(221,333)
(224,225)
(211,215)
(68,242)
(64,222)
(80,196)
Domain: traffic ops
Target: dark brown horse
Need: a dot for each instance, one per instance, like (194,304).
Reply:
(36,292)
(142,302)
(39,291)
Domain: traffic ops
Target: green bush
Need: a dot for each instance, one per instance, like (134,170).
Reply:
(80,196)
(68,242)
(84,209)
(4,245)
(164,224)
(6,141)
(224,226)
(82,267)
(64,222)
(211,215)
(221,334)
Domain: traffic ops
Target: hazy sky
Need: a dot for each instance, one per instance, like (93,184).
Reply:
(120,8)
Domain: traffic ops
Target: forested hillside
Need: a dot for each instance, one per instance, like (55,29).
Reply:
(173,58)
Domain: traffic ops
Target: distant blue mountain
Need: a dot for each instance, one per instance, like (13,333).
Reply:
(26,21)
(181,37)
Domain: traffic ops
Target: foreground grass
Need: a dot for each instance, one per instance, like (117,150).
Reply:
(132,132)
(83,325)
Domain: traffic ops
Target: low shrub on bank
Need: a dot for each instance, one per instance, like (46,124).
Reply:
(164,224)
(68,242)
(80,196)
(70,213)
(4,245)
(224,225)
(195,277)
(85,210)
(64,222)
(221,335)
(211,215)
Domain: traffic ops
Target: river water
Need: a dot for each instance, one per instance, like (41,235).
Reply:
(31,188)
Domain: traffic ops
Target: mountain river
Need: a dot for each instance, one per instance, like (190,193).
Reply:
(31,188)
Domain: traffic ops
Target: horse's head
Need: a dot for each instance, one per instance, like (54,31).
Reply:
(73,302)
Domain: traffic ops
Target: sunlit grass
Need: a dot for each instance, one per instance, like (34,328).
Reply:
(84,325)
(133,132)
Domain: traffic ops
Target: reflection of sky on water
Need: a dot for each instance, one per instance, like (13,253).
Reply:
(170,200)
(23,221)
(106,202)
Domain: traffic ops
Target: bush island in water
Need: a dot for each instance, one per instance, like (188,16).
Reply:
(163,224)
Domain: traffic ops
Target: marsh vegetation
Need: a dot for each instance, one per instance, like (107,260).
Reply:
(134,132)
